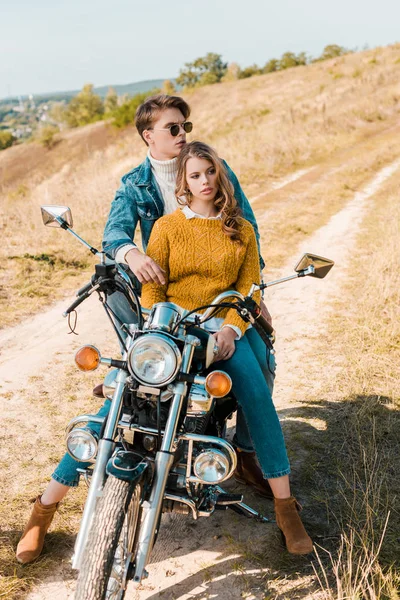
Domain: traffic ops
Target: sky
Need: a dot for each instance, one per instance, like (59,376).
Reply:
(50,45)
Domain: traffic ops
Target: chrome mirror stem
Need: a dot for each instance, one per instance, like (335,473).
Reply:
(277,281)
(255,288)
(64,225)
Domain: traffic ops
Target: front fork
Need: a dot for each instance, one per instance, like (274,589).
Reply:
(163,462)
(104,452)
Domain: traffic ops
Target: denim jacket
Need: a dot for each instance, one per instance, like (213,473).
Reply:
(139,200)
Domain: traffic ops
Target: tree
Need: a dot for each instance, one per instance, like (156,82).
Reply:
(332,51)
(302,58)
(207,78)
(6,139)
(168,88)
(58,113)
(187,77)
(205,70)
(85,107)
(289,59)
(46,136)
(249,71)
(111,100)
(271,66)
(232,72)
(125,114)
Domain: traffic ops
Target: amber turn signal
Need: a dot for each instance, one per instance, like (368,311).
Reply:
(218,384)
(87,358)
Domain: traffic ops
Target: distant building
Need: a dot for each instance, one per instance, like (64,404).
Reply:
(20,108)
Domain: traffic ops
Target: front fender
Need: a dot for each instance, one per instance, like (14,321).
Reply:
(128,466)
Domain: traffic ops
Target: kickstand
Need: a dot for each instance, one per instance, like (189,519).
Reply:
(250,513)
(243,509)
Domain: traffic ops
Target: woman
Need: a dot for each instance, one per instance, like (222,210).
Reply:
(206,248)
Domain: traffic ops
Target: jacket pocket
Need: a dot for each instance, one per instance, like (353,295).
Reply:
(146,211)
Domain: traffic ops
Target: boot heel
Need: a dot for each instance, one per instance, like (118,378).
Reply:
(283,539)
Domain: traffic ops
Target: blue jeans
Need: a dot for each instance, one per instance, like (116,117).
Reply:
(66,472)
(266,360)
(248,369)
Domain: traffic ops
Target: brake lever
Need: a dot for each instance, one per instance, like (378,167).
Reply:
(80,299)
(86,287)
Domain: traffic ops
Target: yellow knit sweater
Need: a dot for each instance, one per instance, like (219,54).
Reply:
(200,262)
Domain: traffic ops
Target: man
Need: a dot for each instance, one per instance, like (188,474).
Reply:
(147,193)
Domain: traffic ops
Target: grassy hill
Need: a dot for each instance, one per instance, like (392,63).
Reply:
(265,127)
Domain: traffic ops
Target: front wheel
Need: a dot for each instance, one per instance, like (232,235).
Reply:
(111,543)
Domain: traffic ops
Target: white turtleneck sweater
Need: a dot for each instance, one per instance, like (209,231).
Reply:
(165,172)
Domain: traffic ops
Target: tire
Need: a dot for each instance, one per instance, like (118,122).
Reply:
(111,540)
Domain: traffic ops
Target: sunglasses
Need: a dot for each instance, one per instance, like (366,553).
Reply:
(174,129)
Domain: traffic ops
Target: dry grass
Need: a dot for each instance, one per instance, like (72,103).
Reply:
(31,163)
(297,210)
(357,572)
(42,264)
(310,115)
(359,471)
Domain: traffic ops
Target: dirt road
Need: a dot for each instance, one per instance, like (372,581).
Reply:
(211,558)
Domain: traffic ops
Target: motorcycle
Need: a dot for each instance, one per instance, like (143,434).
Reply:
(161,448)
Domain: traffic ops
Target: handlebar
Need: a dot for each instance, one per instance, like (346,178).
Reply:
(86,287)
(108,278)
(263,323)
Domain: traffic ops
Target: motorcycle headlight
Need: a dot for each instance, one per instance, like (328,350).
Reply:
(81,444)
(211,466)
(154,360)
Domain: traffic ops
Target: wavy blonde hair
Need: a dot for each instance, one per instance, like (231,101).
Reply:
(224,201)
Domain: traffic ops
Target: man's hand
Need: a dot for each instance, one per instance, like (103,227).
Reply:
(226,343)
(265,312)
(144,267)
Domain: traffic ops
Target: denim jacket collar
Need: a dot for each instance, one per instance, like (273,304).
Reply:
(144,175)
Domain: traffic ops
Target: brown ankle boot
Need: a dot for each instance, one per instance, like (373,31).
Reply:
(288,520)
(31,543)
(248,471)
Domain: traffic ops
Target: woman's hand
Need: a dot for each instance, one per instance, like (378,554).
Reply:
(225,339)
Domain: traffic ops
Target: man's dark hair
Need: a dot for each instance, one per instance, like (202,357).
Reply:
(147,112)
